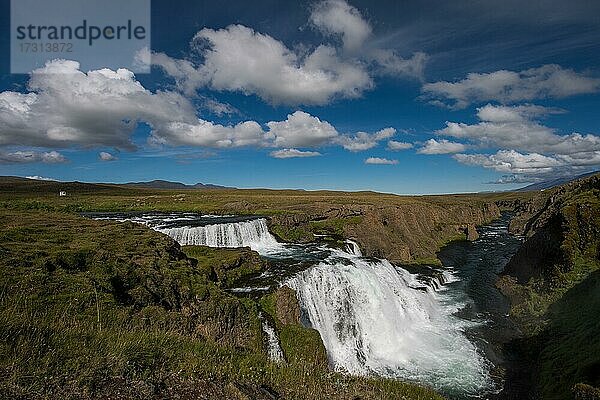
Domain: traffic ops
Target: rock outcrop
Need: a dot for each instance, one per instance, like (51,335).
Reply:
(401,232)
(287,308)
(227,266)
(471,232)
(557,224)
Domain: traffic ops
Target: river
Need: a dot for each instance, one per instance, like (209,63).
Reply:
(442,327)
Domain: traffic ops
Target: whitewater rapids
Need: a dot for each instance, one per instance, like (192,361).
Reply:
(253,233)
(376,319)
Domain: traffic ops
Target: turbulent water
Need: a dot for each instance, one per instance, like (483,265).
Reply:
(375,318)
(273,347)
(427,326)
(254,234)
(353,248)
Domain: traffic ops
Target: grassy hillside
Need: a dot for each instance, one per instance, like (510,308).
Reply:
(553,284)
(97,309)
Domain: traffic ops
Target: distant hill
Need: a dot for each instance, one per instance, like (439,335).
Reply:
(15,184)
(553,182)
(161,184)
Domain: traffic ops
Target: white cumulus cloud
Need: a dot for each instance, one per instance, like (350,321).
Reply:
(237,58)
(105,156)
(443,146)
(102,108)
(293,153)
(547,81)
(395,146)
(208,134)
(301,129)
(364,141)
(340,19)
(513,128)
(67,107)
(526,147)
(512,161)
(380,161)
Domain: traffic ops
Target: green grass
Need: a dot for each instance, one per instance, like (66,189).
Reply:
(228,266)
(538,295)
(292,234)
(426,261)
(571,346)
(334,226)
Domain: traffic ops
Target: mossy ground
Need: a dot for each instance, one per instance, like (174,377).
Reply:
(298,234)
(226,266)
(571,345)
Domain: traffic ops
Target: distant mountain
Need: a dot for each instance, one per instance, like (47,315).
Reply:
(553,182)
(160,184)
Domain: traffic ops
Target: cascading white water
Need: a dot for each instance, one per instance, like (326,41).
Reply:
(254,234)
(440,281)
(373,320)
(353,248)
(273,348)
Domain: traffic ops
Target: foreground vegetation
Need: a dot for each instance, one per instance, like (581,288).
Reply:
(97,309)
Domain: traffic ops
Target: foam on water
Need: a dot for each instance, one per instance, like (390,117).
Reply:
(273,347)
(253,233)
(353,248)
(373,321)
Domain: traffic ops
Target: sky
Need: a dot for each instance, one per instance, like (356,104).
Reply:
(407,97)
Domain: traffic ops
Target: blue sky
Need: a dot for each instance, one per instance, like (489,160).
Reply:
(402,97)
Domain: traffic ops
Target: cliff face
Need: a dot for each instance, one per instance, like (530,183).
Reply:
(399,232)
(408,233)
(532,214)
(560,226)
(553,282)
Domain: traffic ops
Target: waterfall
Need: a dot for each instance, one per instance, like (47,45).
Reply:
(253,233)
(374,318)
(273,347)
(373,321)
(353,248)
(440,280)
(207,230)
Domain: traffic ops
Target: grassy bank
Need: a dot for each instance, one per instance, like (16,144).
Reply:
(553,282)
